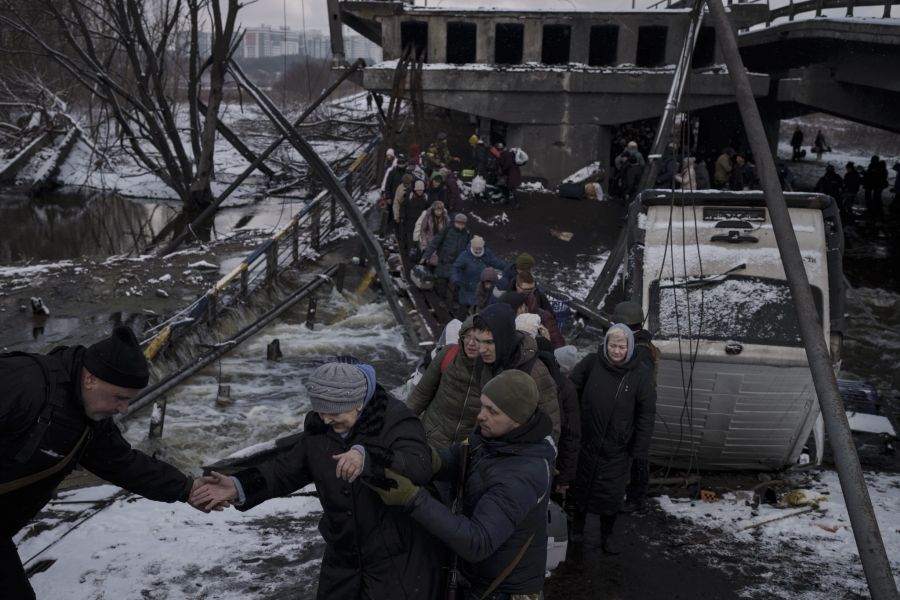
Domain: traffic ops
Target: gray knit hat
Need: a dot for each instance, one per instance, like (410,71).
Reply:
(336,387)
(515,393)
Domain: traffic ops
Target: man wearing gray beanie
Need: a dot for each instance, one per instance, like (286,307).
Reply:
(501,533)
(355,433)
(55,414)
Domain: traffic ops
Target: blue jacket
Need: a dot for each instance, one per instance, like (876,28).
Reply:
(449,244)
(467,270)
(507,488)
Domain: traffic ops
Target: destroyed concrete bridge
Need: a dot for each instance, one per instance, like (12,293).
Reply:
(559,82)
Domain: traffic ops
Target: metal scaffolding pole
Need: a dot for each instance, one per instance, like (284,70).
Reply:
(859,506)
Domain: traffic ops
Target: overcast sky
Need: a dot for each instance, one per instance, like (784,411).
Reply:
(277,12)
(272,12)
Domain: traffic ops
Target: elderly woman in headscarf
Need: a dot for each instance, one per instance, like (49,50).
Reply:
(354,431)
(618,403)
(431,223)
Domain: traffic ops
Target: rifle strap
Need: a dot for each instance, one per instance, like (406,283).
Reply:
(508,569)
(45,415)
(16,484)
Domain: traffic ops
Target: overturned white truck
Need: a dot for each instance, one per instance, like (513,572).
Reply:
(734,387)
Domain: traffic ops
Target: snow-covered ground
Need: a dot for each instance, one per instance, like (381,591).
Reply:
(805,539)
(125,547)
(135,548)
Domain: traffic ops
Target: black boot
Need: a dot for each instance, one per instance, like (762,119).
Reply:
(608,545)
(593,537)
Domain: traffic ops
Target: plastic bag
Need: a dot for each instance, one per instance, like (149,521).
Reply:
(478,185)
(520,156)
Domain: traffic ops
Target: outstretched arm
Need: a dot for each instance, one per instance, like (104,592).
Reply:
(213,492)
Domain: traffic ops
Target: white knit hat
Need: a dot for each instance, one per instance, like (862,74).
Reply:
(528,323)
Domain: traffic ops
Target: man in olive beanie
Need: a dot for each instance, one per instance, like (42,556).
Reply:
(503,525)
(55,413)
(515,394)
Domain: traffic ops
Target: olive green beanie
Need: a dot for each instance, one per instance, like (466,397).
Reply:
(515,393)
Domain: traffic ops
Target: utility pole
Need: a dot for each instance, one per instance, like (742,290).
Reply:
(856,495)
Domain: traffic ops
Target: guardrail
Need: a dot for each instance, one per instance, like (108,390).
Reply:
(310,229)
(805,6)
(797,8)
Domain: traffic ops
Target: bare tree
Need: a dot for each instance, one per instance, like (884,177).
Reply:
(125,54)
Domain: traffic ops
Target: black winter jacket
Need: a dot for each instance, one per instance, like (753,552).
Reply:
(618,405)
(517,350)
(392,182)
(507,487)
(569,417)
(105,452)
(372,551)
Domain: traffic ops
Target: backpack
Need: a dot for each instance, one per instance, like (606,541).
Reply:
(448,358)
(40,414)
(520,156)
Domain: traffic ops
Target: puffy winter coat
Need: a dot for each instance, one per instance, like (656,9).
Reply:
(448,403)
(104,451)
(517,350)
(687,177)
(507,488)
(372,550)
(467,270)
(449,244)
(722,173)
(618,404)
(429,227)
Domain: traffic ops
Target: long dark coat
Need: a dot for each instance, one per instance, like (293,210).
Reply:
(510,169)
(618,404)
(372,551)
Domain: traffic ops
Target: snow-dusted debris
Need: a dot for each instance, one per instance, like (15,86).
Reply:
(818,539)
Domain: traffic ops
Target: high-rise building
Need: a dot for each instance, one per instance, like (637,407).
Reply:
(265,41)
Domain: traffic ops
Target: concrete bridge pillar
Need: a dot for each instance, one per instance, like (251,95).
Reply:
(437,40)
(626,48)
(533,39)
(581,42)
(484,42)
(558,150)
(390,39)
